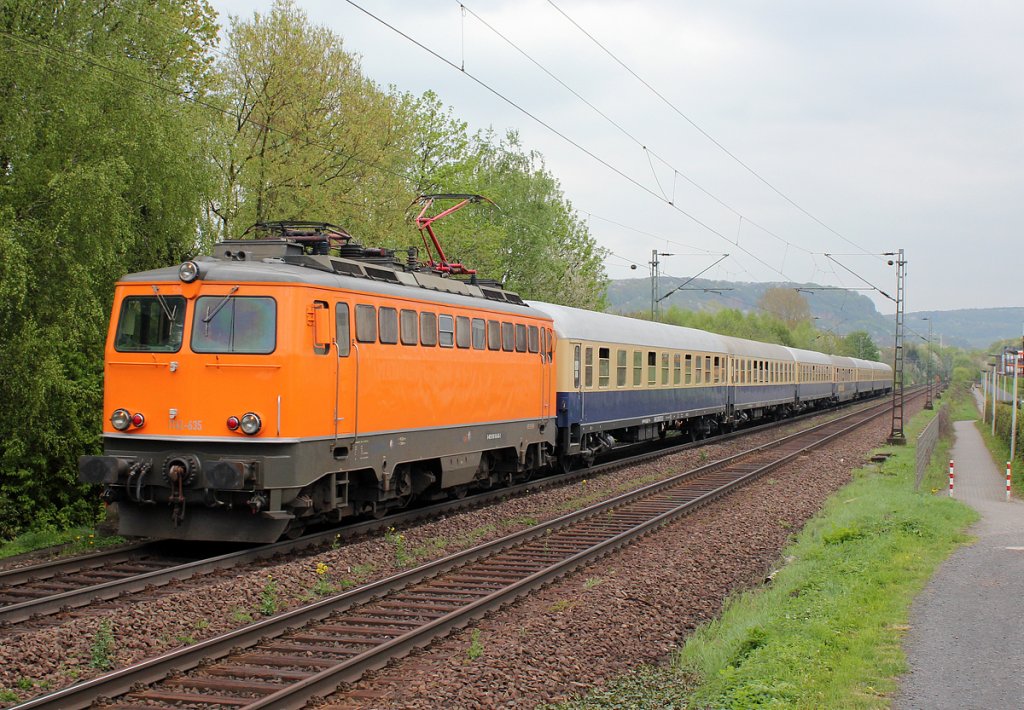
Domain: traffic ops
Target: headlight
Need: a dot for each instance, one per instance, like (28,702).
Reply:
(188,272)
(121,419)
(250,423)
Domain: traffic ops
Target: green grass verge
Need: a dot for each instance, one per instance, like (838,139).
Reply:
(66,542)
(828,631)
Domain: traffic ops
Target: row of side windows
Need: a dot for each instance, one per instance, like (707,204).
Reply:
(391,326)
(746,371)
(663,367)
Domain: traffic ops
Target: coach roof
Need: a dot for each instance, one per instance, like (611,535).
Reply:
(579,324)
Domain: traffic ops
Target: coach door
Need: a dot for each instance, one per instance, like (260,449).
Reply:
(347,379)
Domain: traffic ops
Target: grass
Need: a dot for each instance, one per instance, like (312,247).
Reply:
(829,629)
(72,541)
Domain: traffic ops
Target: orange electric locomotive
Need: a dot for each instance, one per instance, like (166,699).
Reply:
(302,378)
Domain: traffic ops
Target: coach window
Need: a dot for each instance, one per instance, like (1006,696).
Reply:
(698,375)
(718,370)
(664,368)
(676,368)
(493,335)
(387,320)
(707,369)
(341,328)
(408,326)
(620,368)
(479,334)
(652,368)
(366,324)
(689,368)
(508,337)
(520,338)
(576,367)
(535,339)
(428,329)
(638,368)
(603,366)
(446,331)
(462,335)
(588,371)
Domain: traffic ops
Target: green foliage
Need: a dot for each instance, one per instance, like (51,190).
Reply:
(733,322)
(270,601)
(101,650)
(101,173)
(859,344)
(476,646)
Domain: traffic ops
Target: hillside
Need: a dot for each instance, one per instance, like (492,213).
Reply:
(838,310)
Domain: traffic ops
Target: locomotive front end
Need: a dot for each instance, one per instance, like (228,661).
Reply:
(193,396)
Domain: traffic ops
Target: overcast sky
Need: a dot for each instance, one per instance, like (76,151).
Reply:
(889,125)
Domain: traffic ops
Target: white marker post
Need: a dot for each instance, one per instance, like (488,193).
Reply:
(951,478)
(1009,469)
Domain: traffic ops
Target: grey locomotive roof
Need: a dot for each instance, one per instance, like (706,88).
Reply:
(579,324)
(276,271)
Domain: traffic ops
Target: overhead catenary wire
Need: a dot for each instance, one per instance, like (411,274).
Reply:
(704,133)
(636,183)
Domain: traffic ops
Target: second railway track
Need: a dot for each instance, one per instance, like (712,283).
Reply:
(287,659)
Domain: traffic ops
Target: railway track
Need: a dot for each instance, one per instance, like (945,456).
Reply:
(65,584)
(285,660)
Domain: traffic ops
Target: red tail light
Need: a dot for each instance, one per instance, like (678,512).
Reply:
(138,420)
(233,423)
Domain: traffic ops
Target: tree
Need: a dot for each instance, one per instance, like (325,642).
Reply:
(101,173)
(859,344)
(786,304)
(306,135)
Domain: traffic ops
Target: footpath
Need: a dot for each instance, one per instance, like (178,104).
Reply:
(965,646)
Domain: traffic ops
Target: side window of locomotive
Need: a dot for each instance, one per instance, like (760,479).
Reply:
(387,319)
(493,335)
(620,368)
(341,328)
(366,323)
(576,367)
(463,337)
(235,324)
(603,366)
(520,338)
(446,328)
(534,339)
(321,328)
(409,327)
(638,368)
(508,337)
(148,325)
(428,329)
(479,334)
(588,372)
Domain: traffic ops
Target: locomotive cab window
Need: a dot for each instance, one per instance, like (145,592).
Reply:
(148,324)
(235,324)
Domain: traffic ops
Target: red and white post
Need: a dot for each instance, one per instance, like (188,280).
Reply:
(951,478)
(1009,471)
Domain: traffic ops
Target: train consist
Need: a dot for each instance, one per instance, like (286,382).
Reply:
(300,378)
